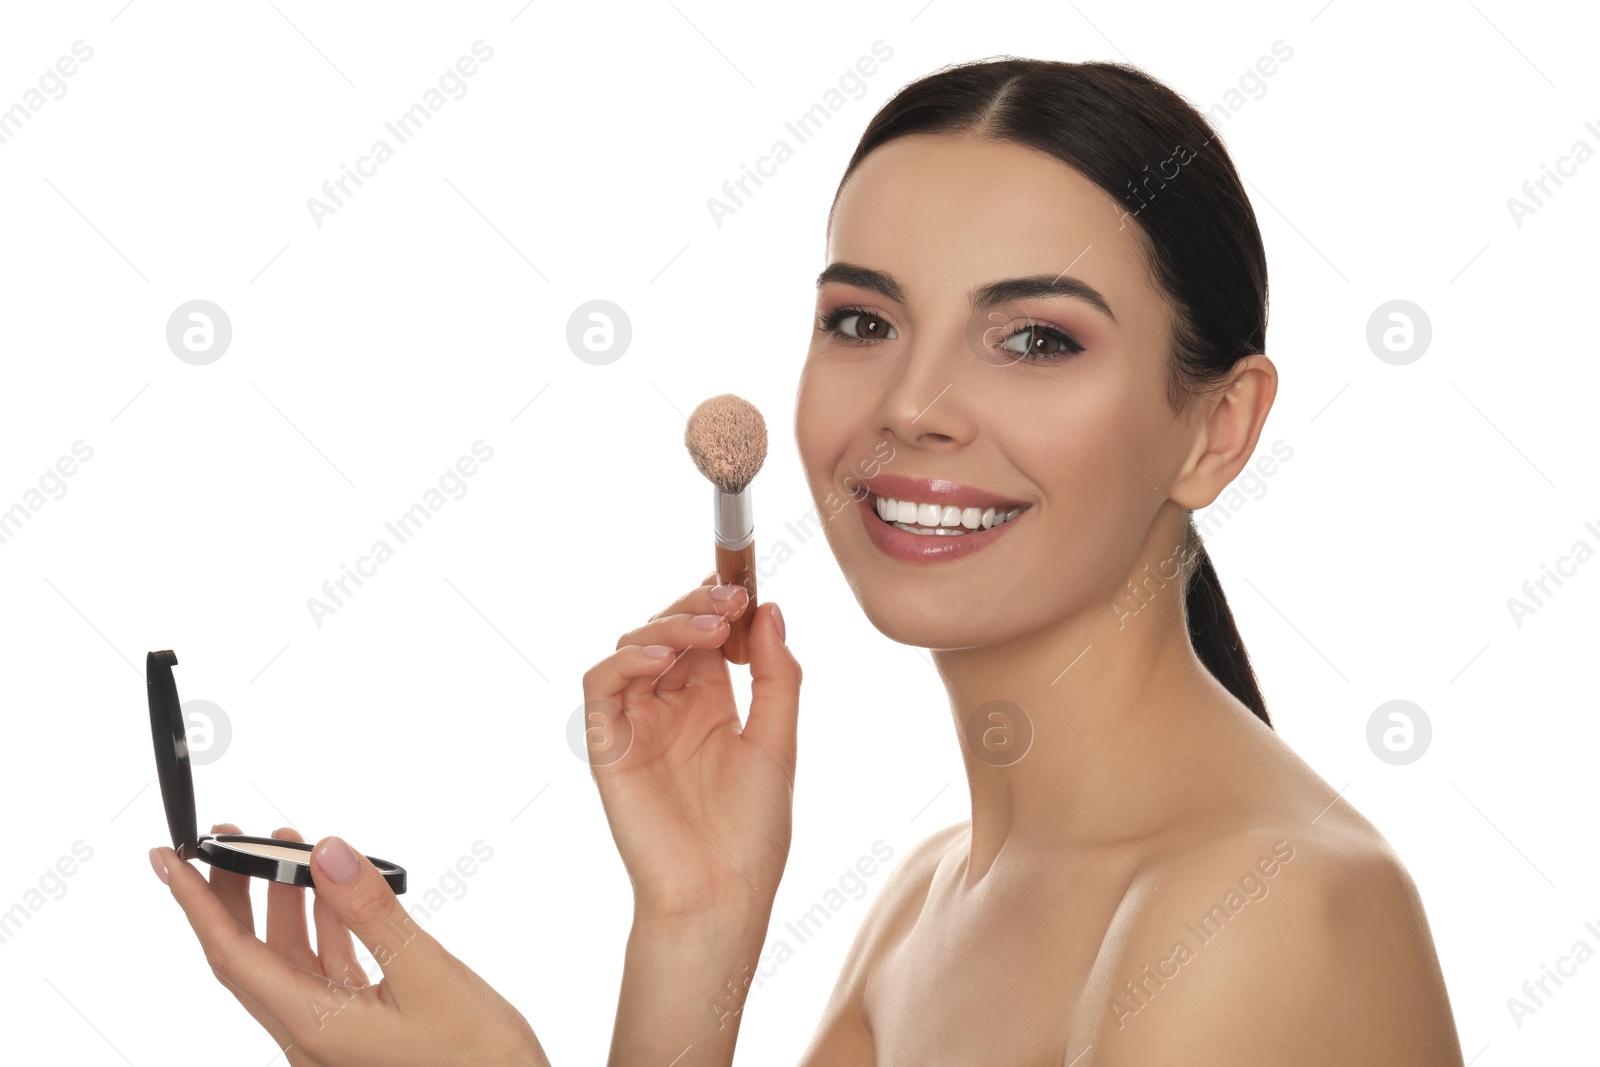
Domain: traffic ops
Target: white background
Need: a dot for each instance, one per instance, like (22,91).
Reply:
(429,312)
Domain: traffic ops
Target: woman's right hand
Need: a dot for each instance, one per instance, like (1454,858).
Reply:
(700,808)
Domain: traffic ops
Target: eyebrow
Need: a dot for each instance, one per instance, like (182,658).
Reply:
(979,297)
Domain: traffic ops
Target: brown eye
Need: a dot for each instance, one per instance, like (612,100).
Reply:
(1040,342)
(854,324)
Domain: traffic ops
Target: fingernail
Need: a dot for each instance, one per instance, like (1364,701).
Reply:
(777,620)
(723,592)
(706,622)
(657,651)
(158,865)
(340,861)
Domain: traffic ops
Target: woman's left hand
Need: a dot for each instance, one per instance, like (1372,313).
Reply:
(319,1006)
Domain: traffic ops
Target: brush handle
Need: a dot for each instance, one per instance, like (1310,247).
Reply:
(738,567)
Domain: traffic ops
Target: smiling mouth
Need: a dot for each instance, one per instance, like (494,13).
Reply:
(942,520)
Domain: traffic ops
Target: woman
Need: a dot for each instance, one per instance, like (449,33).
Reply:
(1041,337)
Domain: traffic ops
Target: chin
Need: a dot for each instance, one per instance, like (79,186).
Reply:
(906,615)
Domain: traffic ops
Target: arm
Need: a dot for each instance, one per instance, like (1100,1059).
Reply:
(700,812)
(700,809)
(684,985)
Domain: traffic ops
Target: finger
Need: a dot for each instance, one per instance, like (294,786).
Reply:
(679,604)
(774,689)
(335,948)
(684,634)
(682,630)
(286,916)
(260,1014)
(357,894)
(728,600)
(664,629)
(230,888)
(236,957)
(673,676)
(603,684)
(704,598)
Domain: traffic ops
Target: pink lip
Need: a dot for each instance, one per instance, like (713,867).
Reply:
(926,548)
(935,491)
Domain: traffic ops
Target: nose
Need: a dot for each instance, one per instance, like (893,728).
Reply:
(928,402)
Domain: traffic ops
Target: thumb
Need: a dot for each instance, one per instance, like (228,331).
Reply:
(774,688)
(354,890)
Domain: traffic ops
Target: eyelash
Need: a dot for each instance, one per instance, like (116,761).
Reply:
(1070,346)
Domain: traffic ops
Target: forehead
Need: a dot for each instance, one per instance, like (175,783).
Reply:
(954,210)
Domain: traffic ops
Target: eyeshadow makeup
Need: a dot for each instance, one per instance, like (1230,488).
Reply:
(258,857)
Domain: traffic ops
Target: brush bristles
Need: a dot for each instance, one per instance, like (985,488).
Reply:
(727,438)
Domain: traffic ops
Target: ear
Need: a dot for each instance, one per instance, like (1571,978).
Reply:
(1231,420)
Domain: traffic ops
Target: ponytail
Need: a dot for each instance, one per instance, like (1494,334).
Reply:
(1212,631)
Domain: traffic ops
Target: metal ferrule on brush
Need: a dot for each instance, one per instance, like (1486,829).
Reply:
(733,518)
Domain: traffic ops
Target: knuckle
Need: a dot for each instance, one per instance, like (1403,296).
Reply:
(632,637)
(220,960)
(314,1029)
(593,677)
(350,976)
(370,904)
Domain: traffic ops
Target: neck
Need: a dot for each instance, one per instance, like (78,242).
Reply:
(1086,731)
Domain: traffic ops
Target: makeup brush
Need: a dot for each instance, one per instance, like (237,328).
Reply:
(727,438)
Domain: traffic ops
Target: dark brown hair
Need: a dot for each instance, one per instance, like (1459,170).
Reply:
(1147,147)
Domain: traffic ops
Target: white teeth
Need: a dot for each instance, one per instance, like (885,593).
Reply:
(941,518)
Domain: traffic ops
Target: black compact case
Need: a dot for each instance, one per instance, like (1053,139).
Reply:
(257,857)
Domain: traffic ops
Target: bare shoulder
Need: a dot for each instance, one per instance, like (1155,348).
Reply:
(1294,943)
(842,1038)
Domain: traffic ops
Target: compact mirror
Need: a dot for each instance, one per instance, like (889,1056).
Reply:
(257,857)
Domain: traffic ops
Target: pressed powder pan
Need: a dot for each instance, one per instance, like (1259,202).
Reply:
(257,857)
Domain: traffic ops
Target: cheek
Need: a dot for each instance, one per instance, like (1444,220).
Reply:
(824,417)
(1090,444)
(1076,469)
(1117,419)
(1078,428)
(814,437)
(1093,503)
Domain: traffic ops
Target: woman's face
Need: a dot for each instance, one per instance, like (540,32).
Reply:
(930,390)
